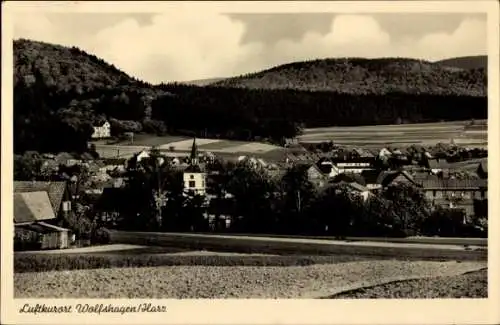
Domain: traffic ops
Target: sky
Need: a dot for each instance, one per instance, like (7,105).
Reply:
(163,47)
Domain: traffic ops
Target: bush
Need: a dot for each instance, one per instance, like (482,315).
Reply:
(26,239)
(154,126)
(100,236)
(79,224)
(122,126)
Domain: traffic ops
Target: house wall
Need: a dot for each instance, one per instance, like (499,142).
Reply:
(199,180)
(55,240)
(365,195)
(103,131)
(315,177)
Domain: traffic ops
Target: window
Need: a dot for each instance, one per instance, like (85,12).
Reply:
(192,184)
(191,176)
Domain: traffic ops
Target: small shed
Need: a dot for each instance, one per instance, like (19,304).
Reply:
(32,214)
(49,236)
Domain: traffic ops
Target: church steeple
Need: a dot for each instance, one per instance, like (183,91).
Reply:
(194,153)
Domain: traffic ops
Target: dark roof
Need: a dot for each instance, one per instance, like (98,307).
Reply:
(55,190)
(194,169)
(194,150)
(438,164)
(305,166)
(349,178)
(386,177)
(32,206)
(437,183)
(370,176)
(114,161)
(352,185)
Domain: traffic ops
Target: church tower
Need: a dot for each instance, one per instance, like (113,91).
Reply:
(193,158)
(194,175)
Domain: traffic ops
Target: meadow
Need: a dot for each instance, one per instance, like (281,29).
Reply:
(459,132)
(181,146)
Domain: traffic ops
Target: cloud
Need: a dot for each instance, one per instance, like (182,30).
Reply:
(362,36)
(180,46)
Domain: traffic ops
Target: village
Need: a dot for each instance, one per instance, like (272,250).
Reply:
(94,186)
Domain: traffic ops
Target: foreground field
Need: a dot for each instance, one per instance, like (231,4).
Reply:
(406,134)
(313,281)
(469,285)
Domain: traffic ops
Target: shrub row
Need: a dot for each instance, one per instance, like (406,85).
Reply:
(57,262)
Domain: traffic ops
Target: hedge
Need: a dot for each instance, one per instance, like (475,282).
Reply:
(59,262)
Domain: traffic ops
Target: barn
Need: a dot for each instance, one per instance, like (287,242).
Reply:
(33,213)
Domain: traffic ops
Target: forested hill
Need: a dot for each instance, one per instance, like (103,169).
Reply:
(366,76)
(467,62)
(60,92)
(64,68)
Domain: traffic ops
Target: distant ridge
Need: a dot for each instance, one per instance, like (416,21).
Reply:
(366,76)
(202,82)
(466,62)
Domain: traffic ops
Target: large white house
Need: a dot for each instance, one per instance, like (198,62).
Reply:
(194,175)
(102,131)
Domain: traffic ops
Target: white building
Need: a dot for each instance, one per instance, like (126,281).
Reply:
(194,175)
(102,131)
(353,167)
(195,180)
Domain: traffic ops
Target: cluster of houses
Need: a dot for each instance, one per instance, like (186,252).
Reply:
(37,205)
(443,184)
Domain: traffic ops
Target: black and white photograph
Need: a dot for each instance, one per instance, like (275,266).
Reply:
(238,154)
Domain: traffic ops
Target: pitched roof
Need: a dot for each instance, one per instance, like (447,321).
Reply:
(437,183)
(55,190)
(353,186)
(194,150)
(386,177)
(349,178)
(32,206)
(358,187)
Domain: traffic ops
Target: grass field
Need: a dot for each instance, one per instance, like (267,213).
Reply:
(183,146)
(427,134)
(406,134)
